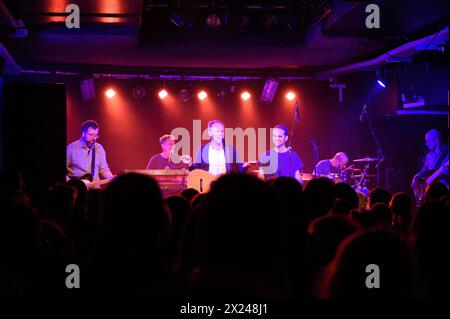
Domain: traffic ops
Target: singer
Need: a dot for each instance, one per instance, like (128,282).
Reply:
(281,160)
(87,157)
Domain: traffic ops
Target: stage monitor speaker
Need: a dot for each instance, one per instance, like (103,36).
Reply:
(87,89)
(34,135)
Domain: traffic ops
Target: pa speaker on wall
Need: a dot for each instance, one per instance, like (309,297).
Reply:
(87,89)
(34,134)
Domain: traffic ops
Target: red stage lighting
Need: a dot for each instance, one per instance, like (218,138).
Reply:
(245,95)
(202,95)
(110,93)
(163,94)
(290,95)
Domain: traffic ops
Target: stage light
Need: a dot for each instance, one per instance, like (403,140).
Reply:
(380,83)
(384,76)
(290,95)
(270,21)
(184,95)
(110,93)
(139,92)
(87,89)
(202,95)
(268,92)
(245,95)
(181,20)
(213,20)
(163,94)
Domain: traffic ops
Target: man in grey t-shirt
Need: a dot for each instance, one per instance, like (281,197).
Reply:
(79,155)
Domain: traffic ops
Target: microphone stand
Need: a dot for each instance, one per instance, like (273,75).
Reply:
(380,156)
(315,153)
(290,139)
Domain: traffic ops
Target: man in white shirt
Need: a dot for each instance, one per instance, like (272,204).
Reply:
(217,157)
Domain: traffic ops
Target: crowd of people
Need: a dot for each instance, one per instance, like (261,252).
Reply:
(245,238)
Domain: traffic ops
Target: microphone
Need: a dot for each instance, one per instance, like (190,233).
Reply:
(363,111)
(297,112)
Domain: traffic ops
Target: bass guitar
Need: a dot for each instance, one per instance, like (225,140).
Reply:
(420,186)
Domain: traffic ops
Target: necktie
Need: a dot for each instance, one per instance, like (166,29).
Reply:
(93,162)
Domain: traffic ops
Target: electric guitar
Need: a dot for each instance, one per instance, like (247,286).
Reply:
(92,184)
(420,187)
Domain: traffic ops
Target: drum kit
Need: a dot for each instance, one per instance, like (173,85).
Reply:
(357,175)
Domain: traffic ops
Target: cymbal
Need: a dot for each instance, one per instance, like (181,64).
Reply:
(359,176)
(366,159)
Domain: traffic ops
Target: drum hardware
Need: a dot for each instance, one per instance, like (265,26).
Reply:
(366,159)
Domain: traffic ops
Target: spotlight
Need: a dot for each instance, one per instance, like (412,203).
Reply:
(184,95)
(139,92)
(245,95)
(268,92)
(384,76)
(290,95)
(270,21)
(181,21)
(202,95)
(176,19)
(110,93)
(87,89)
(213,20)
(163,94)
(380,83)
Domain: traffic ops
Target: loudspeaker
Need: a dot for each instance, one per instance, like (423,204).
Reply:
(87,89)
(34,135)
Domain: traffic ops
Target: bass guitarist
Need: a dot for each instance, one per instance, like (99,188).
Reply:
(435,160)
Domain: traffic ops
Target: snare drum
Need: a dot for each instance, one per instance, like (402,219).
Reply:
(335,177)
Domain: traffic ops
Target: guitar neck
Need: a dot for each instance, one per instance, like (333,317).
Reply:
(431,178)
(99,183)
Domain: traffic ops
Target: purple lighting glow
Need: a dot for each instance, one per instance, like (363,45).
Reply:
(381,83)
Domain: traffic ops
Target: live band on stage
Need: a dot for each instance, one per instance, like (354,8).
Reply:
(86,160)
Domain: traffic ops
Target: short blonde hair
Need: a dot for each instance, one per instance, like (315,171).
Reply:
(166,137)
(211,123)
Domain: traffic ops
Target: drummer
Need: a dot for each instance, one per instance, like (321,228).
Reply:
(333,166)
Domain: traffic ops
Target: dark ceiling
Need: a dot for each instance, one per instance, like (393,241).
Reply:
(293,36)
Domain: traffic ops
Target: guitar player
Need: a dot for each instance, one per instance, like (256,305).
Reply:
(86,157)
(217,157)
(435,159)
